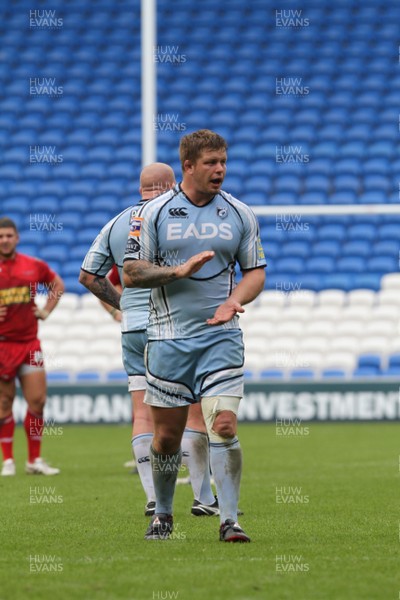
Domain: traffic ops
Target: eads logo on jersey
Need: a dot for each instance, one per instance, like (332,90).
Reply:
(177,231)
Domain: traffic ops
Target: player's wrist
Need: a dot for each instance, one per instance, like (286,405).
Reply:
(44,314)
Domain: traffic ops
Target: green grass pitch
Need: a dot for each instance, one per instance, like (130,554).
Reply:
(322,510)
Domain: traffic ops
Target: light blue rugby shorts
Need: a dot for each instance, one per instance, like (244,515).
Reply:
(133,348)
(181,372)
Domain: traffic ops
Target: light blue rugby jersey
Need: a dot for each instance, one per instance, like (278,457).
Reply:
(109,249)
(171,229)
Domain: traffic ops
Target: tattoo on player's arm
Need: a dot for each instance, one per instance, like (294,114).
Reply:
(143,274)
(104,290)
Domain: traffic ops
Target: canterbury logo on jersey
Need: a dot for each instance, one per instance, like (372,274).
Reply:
(15,295)
(180,211)
(176,231)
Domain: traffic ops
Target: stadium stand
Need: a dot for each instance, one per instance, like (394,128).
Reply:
(337,144)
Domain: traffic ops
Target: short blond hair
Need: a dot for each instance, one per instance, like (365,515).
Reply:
(193,144)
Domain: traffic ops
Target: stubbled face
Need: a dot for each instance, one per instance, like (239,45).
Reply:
(8,242)
(208,172)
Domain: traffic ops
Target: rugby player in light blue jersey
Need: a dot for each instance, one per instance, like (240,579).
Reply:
(108,249)
(184,245)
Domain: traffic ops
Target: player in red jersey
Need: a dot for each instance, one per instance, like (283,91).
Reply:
(20,351)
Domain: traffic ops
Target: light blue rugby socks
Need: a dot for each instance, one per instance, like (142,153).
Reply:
(141,449)
(196,456)
(165,469)
(226,466)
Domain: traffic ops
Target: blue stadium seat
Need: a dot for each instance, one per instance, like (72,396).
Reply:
(343,197)
(71,268)
(351,264)
(109,203)
(54,252)
(78,252)
(312,198)
(88,376)
(317,183)
(366,372)
(377,182)
(271,250)
(356,248)
(29,249)
(353,149)
(272,374)
(269,233)
(362,232)
(322,166)
(349,165)
(247,374)
(333,373)
(80,204)
(389,231)
(394,361)
(320,264)
(388,247)
(347,182)
(310,282)
(290,265)
(369,360)
(97,219)
(332,232)
(376,165)
(73,286)
(54,377)
(33,237)
(234,185)
(117,376)
(299,249)
(384,263)
(282,198)
(48,204)
(391,372)
(327,248)
(87,235)
(16,204)
(373,197)
(302,374)
(288,183)
(340,281)
(70,219)
(369,281)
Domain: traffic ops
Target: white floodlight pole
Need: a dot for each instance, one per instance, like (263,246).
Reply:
(149,80)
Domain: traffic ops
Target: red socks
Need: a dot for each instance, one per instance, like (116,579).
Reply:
(7,427)
(33,425)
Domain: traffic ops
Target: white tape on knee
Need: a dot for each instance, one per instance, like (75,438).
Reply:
(211,406)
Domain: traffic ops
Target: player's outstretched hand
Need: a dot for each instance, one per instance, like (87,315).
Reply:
(225,312)
(3,313)
(194,264)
